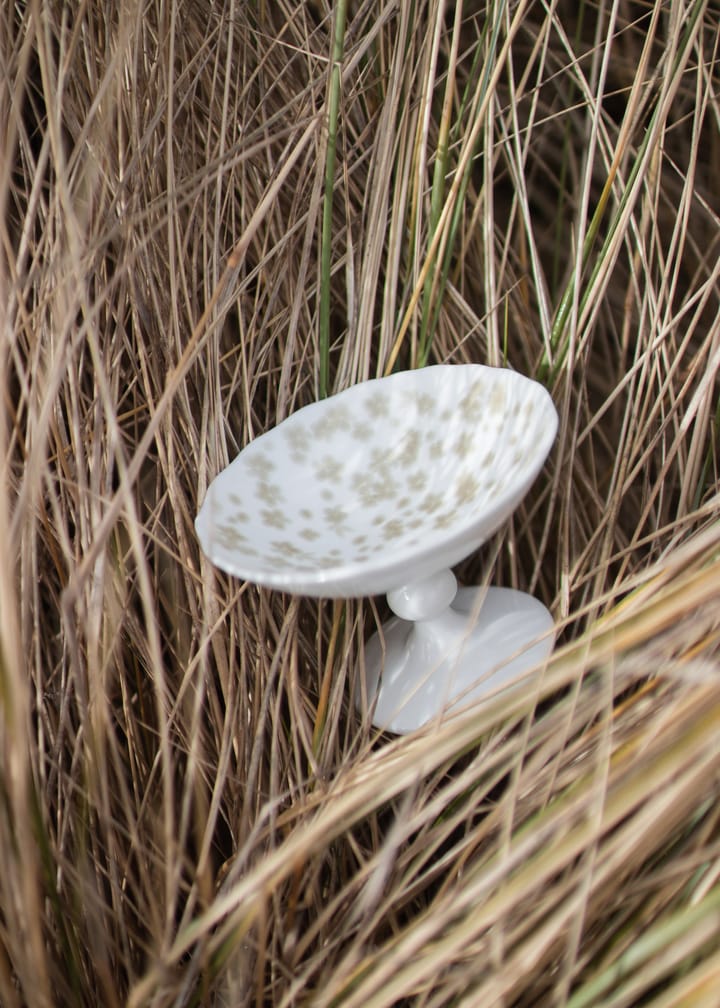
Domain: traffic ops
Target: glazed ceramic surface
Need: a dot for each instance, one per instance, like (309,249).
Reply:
(486,640)
(381,484)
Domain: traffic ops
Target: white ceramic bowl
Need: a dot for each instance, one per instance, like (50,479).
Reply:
(381,484)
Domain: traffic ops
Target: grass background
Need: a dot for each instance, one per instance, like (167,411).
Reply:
(211,214)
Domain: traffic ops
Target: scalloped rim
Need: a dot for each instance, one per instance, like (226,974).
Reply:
(289,491)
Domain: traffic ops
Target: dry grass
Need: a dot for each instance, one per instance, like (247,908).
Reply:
(192,811)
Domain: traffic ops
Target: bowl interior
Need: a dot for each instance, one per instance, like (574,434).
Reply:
(347,492)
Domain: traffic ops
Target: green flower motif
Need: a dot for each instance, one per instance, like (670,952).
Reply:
(324,428)
(431,502)
(471,404)
(299,440)
(464,444)
(229,536)
(362,432)
(436,449)
(340,418)
(466,489)
(409,448)
(274,518)
(328,469)
(261,465)
(335,516)
(269,493)
(373,495)
(375,486)
(417,481)
(378,460)
(445,520)
(497,399)
(377,404)
(285,547)
(289,563)
(392,529)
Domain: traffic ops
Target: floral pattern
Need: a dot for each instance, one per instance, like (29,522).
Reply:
(389,466)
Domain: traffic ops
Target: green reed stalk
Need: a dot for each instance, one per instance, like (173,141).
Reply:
(326,246)
(437,281)
(559,338)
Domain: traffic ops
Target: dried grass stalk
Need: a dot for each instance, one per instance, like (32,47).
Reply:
(192,810)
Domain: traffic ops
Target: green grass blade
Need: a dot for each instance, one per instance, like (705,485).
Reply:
(436,283)
(559,339)
(326,250)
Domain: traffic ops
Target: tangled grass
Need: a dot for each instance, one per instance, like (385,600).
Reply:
(213,213)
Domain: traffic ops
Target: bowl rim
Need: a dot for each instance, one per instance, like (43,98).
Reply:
(357,578)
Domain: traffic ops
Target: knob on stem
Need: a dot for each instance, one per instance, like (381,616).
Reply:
(424,599)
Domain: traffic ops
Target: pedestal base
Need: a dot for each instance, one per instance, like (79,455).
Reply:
(421,670)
